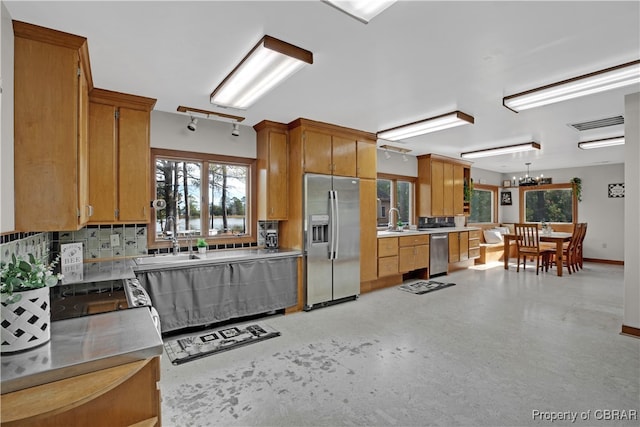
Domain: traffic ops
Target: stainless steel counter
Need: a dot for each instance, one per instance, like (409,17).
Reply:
(182,260)
(82,345)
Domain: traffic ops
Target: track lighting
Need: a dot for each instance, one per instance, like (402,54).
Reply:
(386,154)
(236,129)
(192,124)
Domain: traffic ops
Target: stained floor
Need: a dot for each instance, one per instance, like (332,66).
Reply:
(499,348)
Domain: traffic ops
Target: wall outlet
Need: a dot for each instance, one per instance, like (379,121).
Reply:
(604,246)
(115,240)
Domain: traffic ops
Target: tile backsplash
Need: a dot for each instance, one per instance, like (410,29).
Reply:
(106,241)
(22,244)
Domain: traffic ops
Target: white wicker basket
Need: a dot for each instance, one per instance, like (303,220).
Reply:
(25,324)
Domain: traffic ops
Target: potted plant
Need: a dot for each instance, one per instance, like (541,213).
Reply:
(24,298)
(202,246)
(577,187)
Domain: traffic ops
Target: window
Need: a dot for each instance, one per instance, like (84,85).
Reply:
(483,204)
(396,191)
(207,196)
(548,203)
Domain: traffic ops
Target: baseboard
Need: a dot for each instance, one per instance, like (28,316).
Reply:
(630,330)
(604,261)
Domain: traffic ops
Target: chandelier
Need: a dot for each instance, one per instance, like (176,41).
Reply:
(527,180)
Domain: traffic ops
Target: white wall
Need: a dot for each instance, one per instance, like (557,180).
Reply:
(7,218)
(605,216)
(631,316)
(395,165)
(482,176)
(169,130)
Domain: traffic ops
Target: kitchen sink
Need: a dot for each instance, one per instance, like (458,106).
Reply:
(166,259)
(395,232)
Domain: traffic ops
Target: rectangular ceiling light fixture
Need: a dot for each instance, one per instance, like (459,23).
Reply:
(434,124)
(507,149)
(362,10)
(599,143)
(599,81)
(269,63)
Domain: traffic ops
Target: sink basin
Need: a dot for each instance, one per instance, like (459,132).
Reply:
(394,232)
(166,259)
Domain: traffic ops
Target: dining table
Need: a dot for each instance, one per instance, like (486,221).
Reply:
(556,237)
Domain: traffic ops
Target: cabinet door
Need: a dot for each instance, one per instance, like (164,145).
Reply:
(458,189)
(387,246)
(447,191)
(368,234)
(317,152)
(133,165)
(102,162)
(437,188)
(407,259)
(464,245)
(277,177)
(454,247)
(422,256)
(367,159)
(344,156)
(387,266)
(85,208)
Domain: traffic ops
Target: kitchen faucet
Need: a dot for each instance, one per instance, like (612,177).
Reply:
(393,225)
(174,234)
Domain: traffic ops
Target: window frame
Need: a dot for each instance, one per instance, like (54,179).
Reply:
(567,186)
(494,205)
(394,193)
(205,159)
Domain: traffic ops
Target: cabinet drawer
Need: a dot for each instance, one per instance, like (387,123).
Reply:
(387,246)
(387,266)
(474,243)
(419,239)
(474,253)
(474,234)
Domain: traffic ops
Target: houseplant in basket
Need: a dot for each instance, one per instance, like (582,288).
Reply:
(24,298)
(202,246)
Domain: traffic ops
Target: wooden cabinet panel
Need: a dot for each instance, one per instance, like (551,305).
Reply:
(367,159)
(317,152)
(422,256)
(50,152)
(454,247)
(458,189)
(273,170)
(417,239)
(102,162)
(387,266)
(133,165)
(387,246)
(447,189)
(344,156)
(406,259)
(437,188)
(464,245)
(368,234)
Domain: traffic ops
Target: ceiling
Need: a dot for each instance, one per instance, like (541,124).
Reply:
(418,59)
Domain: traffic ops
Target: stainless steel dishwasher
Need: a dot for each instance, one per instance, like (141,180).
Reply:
(438,254)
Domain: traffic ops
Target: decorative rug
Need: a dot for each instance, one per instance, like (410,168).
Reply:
(423,287)
(203,344)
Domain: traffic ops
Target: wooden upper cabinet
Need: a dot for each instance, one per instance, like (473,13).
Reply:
(273,170)
(119,135)
(52,78)
(367,159)
(440,190)
(317,152)
(344,156)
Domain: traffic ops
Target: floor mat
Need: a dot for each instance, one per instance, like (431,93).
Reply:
(206,343)
(424,287)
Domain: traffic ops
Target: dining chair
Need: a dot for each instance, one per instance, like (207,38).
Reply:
(579,246)
(528,245)
(570,250)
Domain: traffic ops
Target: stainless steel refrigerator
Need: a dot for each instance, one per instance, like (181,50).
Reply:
(332,239)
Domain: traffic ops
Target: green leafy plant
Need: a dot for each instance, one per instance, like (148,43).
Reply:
(201,243)
(468,189)
(577,187)
(21,275)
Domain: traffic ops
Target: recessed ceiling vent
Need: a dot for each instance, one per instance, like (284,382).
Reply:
(601,123)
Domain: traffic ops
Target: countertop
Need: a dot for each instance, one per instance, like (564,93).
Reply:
(385,233)
(82,345)
(182,260)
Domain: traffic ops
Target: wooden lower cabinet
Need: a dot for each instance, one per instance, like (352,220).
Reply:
(414,252)
(124,395)
(464,245)
(474,244)
(388,256)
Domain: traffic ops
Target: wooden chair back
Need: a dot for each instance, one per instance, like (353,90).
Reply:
(527,237)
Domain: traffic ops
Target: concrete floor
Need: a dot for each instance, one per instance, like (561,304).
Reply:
(490,351)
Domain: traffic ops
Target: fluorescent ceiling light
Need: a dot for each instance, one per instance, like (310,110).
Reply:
(362,10)
(434,124)
(599,81)
(599,143)
(507,149)
(269,63)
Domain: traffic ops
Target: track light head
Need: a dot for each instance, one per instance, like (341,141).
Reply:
(236,129)
(192,124)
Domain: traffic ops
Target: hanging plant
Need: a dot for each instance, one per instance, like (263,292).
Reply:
(468,189)
(577,187)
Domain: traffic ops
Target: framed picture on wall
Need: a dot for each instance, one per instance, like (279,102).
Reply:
(506,183)
(505,198)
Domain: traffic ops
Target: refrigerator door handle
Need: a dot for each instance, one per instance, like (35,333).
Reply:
(337,224)
(332,225)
